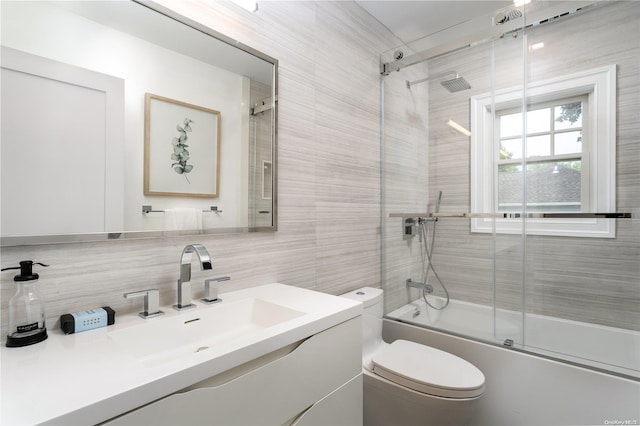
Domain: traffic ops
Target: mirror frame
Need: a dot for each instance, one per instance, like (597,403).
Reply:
(104,236)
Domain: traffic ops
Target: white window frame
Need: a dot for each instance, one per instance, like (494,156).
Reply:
(600,86)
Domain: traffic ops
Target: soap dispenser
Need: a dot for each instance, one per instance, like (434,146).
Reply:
(26,308)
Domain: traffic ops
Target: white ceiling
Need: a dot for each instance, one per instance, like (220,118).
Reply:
(413,20)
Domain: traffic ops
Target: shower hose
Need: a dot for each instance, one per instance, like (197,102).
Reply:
(426,249)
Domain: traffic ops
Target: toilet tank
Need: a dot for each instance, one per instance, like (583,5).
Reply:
(372,299)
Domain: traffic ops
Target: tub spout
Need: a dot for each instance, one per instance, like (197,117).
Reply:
(428,288)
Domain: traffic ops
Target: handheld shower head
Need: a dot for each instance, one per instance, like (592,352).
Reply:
(437,210)
(456,84)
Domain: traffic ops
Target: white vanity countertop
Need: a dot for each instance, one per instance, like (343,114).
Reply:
(87,378)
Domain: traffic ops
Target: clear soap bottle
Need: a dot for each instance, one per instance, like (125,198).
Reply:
(26,308)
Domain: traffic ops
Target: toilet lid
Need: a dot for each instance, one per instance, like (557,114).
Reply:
(428,370)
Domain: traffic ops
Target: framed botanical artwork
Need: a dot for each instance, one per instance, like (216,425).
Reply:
(181,148)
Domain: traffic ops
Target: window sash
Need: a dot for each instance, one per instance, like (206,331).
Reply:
(525,160)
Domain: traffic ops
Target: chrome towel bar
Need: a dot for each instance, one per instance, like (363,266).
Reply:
(148,209)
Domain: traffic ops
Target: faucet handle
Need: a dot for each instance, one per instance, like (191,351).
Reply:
(151,302)
(211,290)
(184,296)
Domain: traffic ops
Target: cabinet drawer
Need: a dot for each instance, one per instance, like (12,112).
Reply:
(343,407)
(268,394)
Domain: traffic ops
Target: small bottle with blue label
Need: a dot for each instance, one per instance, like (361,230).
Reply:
(26,308)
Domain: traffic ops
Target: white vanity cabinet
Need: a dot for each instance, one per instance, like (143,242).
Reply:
(315,381)
(267,355)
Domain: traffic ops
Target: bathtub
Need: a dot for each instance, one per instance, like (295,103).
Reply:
(606,348)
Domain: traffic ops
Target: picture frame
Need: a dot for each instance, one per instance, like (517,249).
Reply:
(181,148)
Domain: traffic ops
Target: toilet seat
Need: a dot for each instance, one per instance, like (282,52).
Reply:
(428,370)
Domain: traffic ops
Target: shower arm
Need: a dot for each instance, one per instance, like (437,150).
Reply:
(431,77)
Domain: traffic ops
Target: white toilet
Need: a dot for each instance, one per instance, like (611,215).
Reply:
(406,383)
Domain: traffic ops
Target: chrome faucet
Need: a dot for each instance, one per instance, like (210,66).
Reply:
(184,284)
(151,302)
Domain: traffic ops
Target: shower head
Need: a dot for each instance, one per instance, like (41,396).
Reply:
(456,84)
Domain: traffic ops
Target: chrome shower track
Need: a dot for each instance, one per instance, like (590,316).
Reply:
(551,14)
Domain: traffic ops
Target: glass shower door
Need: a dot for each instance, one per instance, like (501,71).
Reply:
(581,273)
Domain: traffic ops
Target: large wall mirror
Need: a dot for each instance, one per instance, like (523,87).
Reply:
(121,119)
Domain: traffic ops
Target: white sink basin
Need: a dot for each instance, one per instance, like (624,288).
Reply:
(167,338)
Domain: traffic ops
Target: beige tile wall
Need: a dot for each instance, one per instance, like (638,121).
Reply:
(329,173)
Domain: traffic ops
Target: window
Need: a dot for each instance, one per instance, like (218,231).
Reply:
(559,157)
(555,145)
